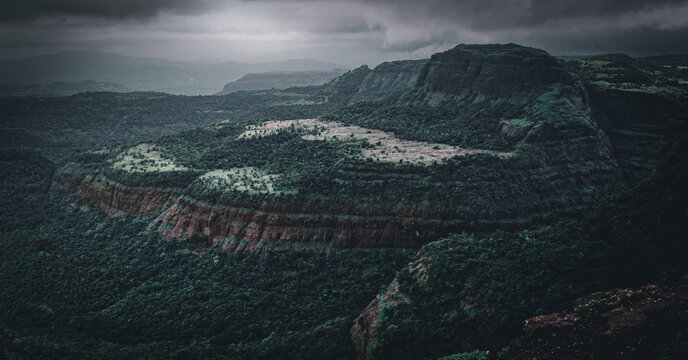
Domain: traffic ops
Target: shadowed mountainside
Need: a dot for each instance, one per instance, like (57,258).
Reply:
(469,292)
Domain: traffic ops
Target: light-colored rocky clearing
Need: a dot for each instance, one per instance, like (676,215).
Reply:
(245,179)
(385,145)
(145,158)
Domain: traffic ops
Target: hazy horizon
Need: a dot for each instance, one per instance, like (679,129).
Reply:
(348,33)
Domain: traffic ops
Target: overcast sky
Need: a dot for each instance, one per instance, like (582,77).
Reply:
(345,32)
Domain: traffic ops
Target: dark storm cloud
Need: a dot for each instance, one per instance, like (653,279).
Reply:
(561,26)
(411,45)
(346,26)
(637,42)
(18,10)
(479,14)
(500,14)
(332,29)
(564,26)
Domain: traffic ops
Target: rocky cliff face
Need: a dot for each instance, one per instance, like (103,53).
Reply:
(113,197)
(491,70)
(388,80)
(561,160)
(636,236)
(362,332)
(244,228)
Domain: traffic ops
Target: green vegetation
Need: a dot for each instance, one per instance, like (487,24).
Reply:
(145,158)
(334,176)
(61,126)
(621,72)
(246,179)
(591,305)
(75,283)
(478,289)
(473,355)
(407,171)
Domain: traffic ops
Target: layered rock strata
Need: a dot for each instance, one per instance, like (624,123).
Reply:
(245,228)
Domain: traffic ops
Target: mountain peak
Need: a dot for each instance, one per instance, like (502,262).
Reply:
(493,69)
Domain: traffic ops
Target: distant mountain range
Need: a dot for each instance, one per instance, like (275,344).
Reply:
(49,88)
(280,80)
(140,73)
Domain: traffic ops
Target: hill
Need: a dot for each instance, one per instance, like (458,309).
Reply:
(473,139)
(47,89)
(280,80)
(466,292)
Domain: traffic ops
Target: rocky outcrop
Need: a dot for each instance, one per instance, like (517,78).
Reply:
(645,323)
(113,197)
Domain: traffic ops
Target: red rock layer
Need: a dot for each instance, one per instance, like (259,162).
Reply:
(244,228)
(112,197)
(238,228)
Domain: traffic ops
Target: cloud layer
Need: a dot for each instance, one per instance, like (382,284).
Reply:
(349,32)
(19,10)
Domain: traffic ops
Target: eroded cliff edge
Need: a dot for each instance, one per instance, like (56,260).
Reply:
(236,227)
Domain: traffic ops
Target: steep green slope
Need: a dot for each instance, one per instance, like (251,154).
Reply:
(637,104)
(469,292)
